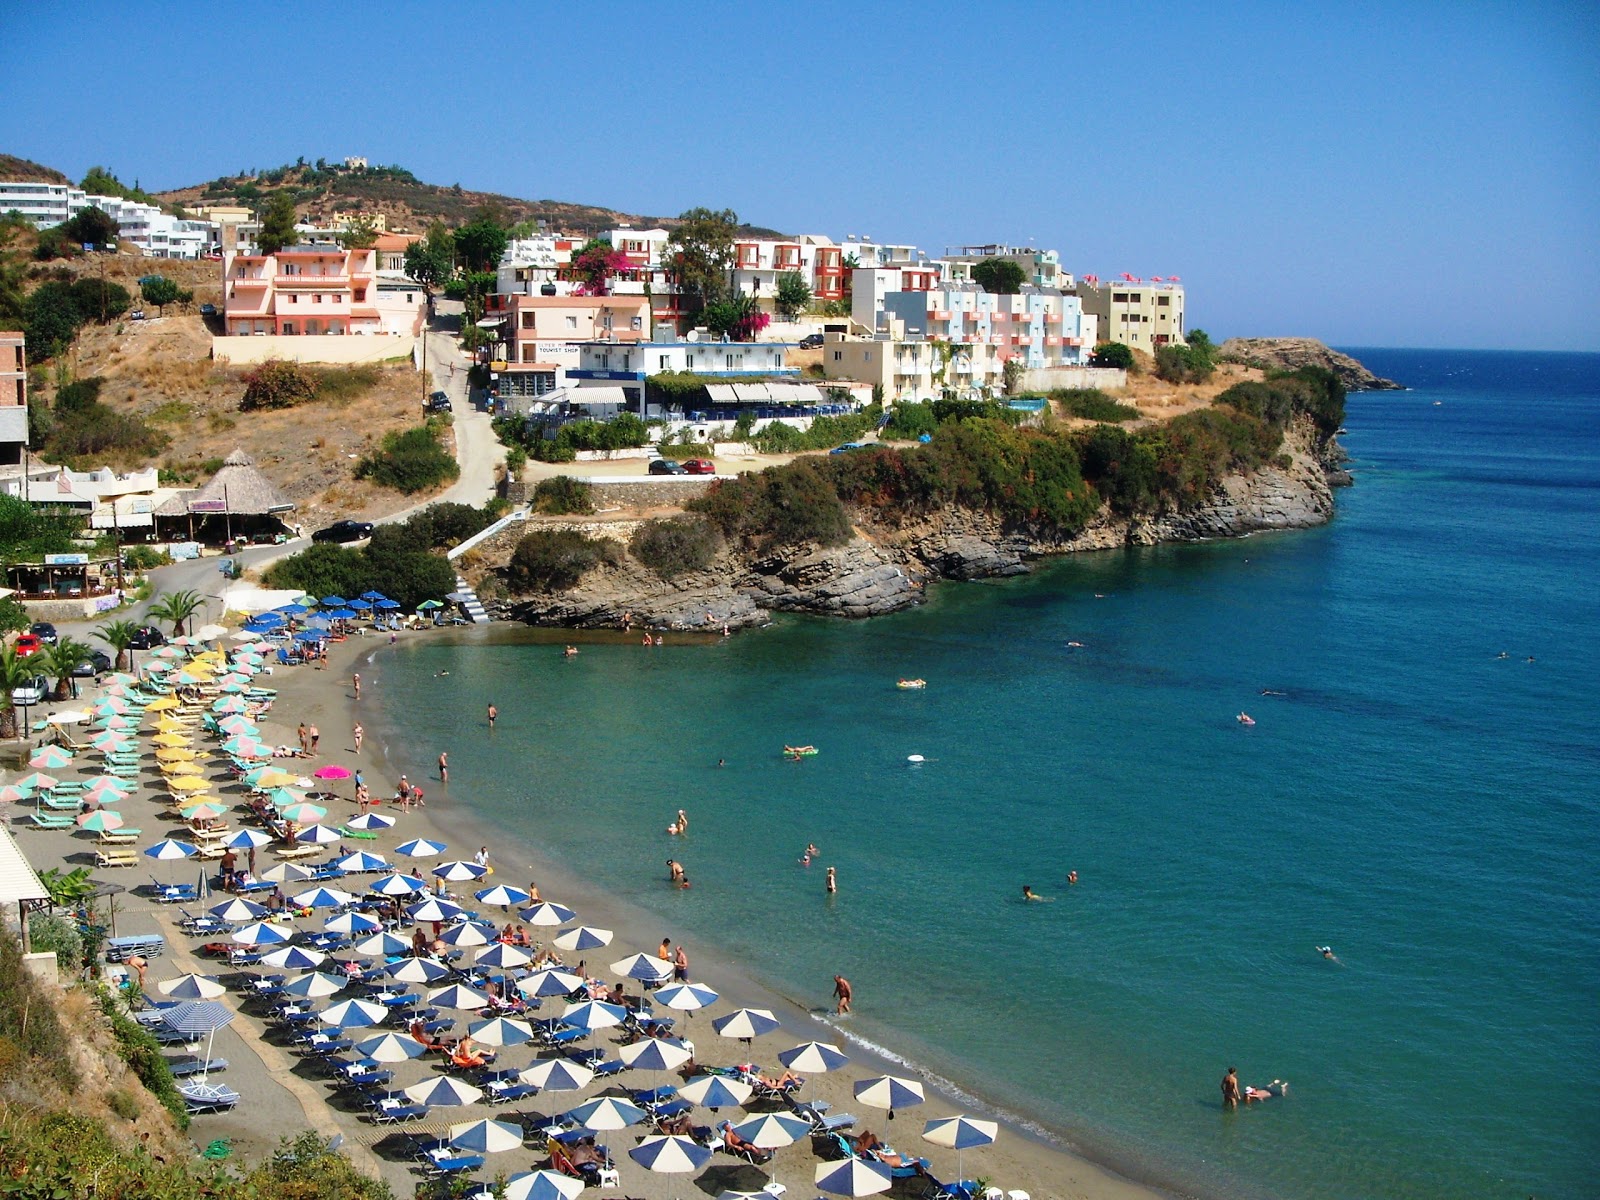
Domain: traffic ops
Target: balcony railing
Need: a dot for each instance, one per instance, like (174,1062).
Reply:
(312,281)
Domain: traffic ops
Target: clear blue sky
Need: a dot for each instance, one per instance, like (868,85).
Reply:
(1373,174)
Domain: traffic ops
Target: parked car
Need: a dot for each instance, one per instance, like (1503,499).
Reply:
(667,466)
(136,315)
(45,632)
(811,341)
(208,310)
(147,637)
(344,531)
(699,466)
(27,644)
(32,692)
(98,663)
(847,447)
(436,403)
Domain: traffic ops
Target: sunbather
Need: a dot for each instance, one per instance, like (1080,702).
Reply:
(786,1082)
(737,1144)
(680,1125)
(869,1144)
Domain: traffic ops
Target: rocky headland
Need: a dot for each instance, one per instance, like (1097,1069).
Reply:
(1291,353)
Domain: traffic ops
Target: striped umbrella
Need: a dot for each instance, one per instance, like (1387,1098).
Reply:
(444,1091)
(889,1092)
(420,848)
(287,872)
(557,1075)
(686,997)
(503,956)
(501,894)
(745,1024)
(459,871)
(238,909)
(248,839)
(51,758)
(370,822)
(304,813)
(547,913)
(542,1185)
(399,885)
(11,793)
(315,985)
(434,910)
(468,933)
(101,820)
(550,982)
(353,1014)
(773,1131)
(670,1154)
(583,937)
(960,1134)
(321,897)
(315,835)
(191,987)
(716,1091)
(644,967)
(501,1031)
(352,922)
(391,1047)
(262,934)
(295,958)
(486,1137)
(458,995)
(654,1054)
(414,970)
(853,1177)
(383,944)
(813,1058)
(594,1014)
(607,1112)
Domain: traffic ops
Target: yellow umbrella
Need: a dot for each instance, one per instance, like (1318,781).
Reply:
(162,704)
(272,779)
(182,768)
(170,739)
(188,783)
(175,754)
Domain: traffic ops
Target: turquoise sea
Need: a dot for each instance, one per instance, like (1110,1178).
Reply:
(1420,803)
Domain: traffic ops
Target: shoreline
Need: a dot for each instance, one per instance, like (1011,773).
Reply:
(1030,1155)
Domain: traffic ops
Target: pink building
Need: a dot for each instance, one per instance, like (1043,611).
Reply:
(301,290)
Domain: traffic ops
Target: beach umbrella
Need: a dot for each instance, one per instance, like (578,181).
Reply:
(161,703)
(191,987)
(243,745)
(101,820)
(313,834)
(182,767)
(386,604)
(362,861)
(265,778)
(303,813)
(170,740)
(417,970)
(420,848)
(654,1054)
(334,602)
(503,956)
(399,885)
(353,1014)
(458,995)
(352,922)
(501,1031)
(373,596)
(745,1024)
(103,785)
(391,1047)
(646,968)
(686,997)
(459,871)
(434,910)
(248,839)
(229,704)
(960,1134)
(550,982)
(238,909)
(546,913)
(583,937)
(542,1185)
(852,1177)
(468,933)
(187,783)
(194,1017)
(332,771)
(606,1112)
(315,985)
(670,1154)
(557,1075)
(37,782)
(383,945)
(500,894)
(282,797)
(321,897)
(889,1092)
(262,934)
(485,1137)
(50,758)
(203,812)
(295,958)
(11,793)
(594,1014)
(813,1058)
(773,1131)
(111,739)
(717,1091)
(245,635)
(370,821)
(444,1091)
(287,872)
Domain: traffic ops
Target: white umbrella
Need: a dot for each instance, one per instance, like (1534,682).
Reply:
(287,872)
(542,1185)
(486,1137)
(853,1177)
(583,937)
(444,1090)
(191,987)
(557,1075)
(209,633)
(889,1092)
(958,1133)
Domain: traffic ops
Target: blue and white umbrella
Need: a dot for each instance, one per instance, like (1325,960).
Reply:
(370,822)
(262,934)
(960,1134)
(890,1092)
(195,1017)
(314,985)
(417,970)
(362,861)
(444,1091)
(420,848)
(191,987)
(352,922)
(557,1075)
(542,1185)
(607,1112)
(717,1091)
(654,1054)
(458,995)
(686,997)
(248,839)
(501,1031)
(646,968)
(546,912)
(745,1024)
(583,937)
(502,894)
(294,958)
(321,897)
(773,1131)
(459,871)
(670,1154)
(382,945)
(391,1047)
(503,956)
(399,885)
(552,981)
(594,1014)
(354,1014)
(853,1177)
(168,849)
(317,835)
(238,909)
(486,1137)
(434,910)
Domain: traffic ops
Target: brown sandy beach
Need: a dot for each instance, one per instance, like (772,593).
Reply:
(284,1093)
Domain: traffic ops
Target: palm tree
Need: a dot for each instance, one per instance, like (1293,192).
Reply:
(61,660)
(177,607)
(118,635)
(14,672)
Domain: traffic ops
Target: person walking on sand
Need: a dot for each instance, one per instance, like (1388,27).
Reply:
(1230,1089)
(305,738)
(665,953)
(356,680)
(444,767)
(841,993)
(680,964)
(833,881)
(316,736)
(357,734)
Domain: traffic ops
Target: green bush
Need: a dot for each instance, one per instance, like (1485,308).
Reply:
(144,558)
(400,560)
(1112,354)
(98,430)
(124,1103)
(563,494)
(1092,404)
(553,560)
(677,544)
(278,384)
(824,433)
(908,422)
(410,460)
(781,506)
(48,932)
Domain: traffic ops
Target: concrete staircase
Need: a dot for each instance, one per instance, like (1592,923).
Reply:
(471,605)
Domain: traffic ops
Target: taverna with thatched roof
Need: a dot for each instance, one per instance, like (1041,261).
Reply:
(237,502)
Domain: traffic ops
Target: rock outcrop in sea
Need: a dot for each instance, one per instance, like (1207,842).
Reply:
(888,564)
(1291,353)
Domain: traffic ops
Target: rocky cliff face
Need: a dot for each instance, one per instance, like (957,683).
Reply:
(1290,354)
(886,567)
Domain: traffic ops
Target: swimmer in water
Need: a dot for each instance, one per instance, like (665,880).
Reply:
(1027,894)
(1076,645)
(1327,953)
(1270,692)
(1502,654)
(1072,878)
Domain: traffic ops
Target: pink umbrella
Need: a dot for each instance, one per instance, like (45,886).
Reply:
(332,773)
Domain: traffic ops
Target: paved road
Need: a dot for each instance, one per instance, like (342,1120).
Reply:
(477,451)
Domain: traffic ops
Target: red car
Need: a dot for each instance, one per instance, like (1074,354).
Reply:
(27,644)
(699,466)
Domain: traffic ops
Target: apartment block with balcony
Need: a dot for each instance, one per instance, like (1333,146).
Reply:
(302,291)
(13,397)
(1141,314)
(913,368)
(1041,268)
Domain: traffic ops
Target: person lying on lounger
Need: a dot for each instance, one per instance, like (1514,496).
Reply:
(869,1143)
(782,1083)
(732,1140)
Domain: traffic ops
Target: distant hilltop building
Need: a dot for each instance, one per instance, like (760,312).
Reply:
(1140,313)
(355,163)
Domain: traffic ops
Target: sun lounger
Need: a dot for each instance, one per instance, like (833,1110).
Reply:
(957,1190)
(173,893)
(40,821)
(387,1110)
(116,858)
(182,1068)
(120,949)
(56,803)
(822,1121)
(207,1097)
(297,851)
(458,1164)
(121,837)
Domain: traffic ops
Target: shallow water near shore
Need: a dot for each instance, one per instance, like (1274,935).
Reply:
(1422,805)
